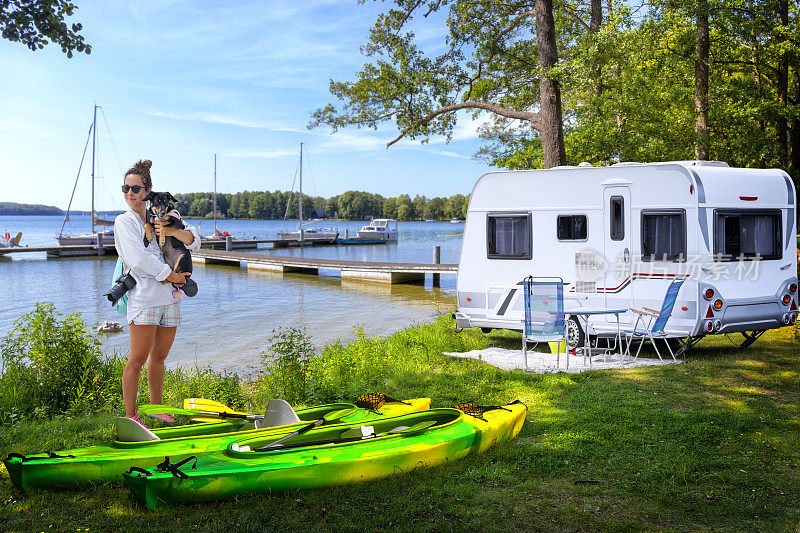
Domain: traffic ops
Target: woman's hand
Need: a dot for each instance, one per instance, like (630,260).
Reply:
(178,278)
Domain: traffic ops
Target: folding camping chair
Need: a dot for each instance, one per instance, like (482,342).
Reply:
(654,329)
(544,314)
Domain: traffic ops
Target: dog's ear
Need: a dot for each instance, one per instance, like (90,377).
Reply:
(172,197)
(149,196)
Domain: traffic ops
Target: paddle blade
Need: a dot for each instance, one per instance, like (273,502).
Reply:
(206,405)
(202,404)
(419,427)
(150,408)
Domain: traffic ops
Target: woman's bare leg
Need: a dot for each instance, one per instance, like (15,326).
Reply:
(142,338)
(155,365)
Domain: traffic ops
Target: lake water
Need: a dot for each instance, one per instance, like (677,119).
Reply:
(227,325)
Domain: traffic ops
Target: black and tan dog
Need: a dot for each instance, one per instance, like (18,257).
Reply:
(175,253)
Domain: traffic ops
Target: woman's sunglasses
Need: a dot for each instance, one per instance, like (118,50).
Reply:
(134,188)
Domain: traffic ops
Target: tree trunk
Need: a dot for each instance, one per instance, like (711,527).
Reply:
(551,128)
(794,136)
(702,138)
(782,125)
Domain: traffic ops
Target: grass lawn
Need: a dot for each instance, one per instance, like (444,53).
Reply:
(710,444)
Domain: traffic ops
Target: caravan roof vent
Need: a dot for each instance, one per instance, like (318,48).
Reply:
(584,164)
(698,163)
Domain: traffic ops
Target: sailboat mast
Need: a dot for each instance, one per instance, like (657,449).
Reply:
(301,192)
(215,196)
(94,140)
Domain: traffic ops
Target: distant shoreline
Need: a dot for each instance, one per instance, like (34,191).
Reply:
(15,209)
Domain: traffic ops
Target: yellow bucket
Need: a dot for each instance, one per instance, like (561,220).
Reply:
(554,347)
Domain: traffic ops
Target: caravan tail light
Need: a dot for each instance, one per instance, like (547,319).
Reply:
(709,326)
(786,299)
(787,318)
(709,313)
(717,304)
(793,288)
(709,294)
(717,325)
(792,319)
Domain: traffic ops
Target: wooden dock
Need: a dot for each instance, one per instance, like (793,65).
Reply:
(216,244)
(367,271)
(62,251)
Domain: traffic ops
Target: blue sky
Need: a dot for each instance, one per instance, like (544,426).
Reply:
(179,81)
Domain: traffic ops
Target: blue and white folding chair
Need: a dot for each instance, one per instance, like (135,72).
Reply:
(544,314)
(656,323)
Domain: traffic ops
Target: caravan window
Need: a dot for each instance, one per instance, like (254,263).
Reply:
(747,234)
(664,235)
(617,218)
(508,235)
(571,228)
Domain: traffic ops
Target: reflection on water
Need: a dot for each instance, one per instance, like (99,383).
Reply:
(228,323)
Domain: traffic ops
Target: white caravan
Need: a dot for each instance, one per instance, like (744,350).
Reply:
(617,236)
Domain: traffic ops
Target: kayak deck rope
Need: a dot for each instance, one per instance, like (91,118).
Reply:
(25,458)
(164,467)
(174,468)
(375,400)
(477,411)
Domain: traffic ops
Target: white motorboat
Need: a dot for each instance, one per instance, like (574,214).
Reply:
(384,229)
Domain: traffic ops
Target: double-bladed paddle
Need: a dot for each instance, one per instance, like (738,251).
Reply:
(419,427)
(167,409)
(327,418)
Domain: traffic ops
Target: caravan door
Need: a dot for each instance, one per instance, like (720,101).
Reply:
(617,253)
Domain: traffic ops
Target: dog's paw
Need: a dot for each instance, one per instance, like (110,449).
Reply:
(148,231)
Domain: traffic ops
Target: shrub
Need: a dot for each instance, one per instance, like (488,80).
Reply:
(285,364)
(51,365)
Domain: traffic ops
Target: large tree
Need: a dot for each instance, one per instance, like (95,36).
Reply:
(498,57)
(36,23)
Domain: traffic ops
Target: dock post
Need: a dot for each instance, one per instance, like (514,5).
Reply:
(100,244)
(228,243)
(346,233)
(437,255)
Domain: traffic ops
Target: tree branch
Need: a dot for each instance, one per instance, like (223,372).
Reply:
(533,118)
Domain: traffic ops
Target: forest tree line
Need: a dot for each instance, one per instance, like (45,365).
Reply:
(350,205)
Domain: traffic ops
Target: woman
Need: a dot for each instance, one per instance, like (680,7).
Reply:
(154,305)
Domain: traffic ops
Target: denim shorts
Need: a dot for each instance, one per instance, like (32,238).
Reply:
(160,315)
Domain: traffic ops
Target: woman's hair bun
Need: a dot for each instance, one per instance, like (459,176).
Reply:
(142,168)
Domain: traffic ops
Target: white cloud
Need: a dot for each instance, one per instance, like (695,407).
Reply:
(230,121)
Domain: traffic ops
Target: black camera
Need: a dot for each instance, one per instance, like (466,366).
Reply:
(124,283)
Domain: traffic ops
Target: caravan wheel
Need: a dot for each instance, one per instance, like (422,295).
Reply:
(574,333)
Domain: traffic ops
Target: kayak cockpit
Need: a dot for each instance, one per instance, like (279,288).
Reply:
(405,425)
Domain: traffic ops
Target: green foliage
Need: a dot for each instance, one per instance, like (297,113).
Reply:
(180,383)
(52,365)
(344,370)
(35,24)
(285,365)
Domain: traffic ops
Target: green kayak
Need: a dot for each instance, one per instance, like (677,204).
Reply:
(107,462)
(330,455)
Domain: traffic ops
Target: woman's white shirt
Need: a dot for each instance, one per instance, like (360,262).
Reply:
(146,265)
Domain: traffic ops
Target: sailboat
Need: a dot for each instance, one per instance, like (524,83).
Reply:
(302,234)
(95,236)
(217,233)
